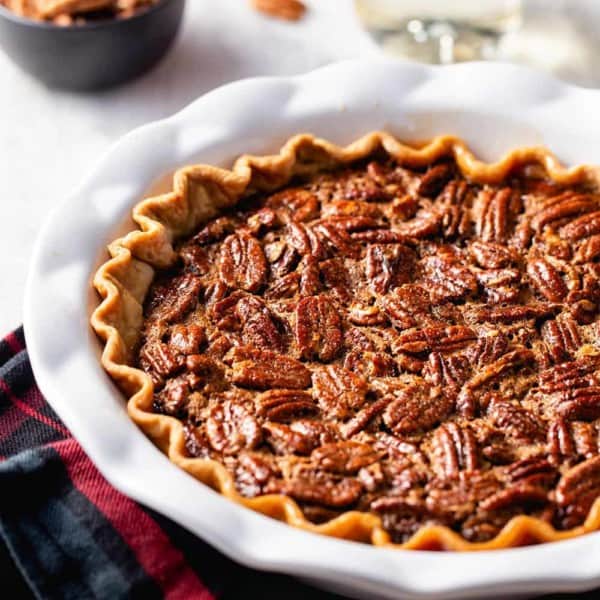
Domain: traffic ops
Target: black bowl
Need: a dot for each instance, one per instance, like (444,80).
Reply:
(94,55)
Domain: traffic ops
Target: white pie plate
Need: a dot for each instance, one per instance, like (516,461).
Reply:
(494,107)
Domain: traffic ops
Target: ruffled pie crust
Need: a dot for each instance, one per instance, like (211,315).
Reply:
(199,193)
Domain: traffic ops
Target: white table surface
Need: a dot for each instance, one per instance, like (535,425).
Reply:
(49,139)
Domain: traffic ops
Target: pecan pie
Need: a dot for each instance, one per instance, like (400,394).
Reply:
(69,12)
(385,343)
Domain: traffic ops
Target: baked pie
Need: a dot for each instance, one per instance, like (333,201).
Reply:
(386,343)
(69,12)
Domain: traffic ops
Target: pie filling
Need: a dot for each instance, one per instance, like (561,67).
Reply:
(404,342)
(76,12)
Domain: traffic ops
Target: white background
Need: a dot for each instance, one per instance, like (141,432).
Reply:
(49,139)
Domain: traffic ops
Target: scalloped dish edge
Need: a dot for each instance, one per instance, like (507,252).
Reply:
(199,193)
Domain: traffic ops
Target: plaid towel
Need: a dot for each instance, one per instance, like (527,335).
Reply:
(68,534)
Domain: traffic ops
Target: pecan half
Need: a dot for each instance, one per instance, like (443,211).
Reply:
(514,419)
(546,280)
(447,279)
(283,405)
(318,487)
(232,427)
(416,408)
(582,227)
(388,266)
(490,255)
(578,489)
(338,390)
(242,263)
(436,339)
(346,458)
(454,449)
(562,207)
(318,328)
(263,370)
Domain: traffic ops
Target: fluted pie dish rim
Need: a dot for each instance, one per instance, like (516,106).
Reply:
(341,102)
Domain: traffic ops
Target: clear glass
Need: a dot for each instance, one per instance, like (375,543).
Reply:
(440,31)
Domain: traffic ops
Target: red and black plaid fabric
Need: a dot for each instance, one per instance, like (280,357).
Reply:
(68,534)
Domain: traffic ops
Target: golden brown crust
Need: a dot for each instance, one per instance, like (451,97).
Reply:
(199,193)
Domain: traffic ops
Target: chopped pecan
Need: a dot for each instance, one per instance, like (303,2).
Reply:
(382,236)
(262,220)
(283,405)
(195,258)
(454,450)
(318,328)
(416,408)
(339,390)
(388,266)
(242,263)
(361,314)
(370,364)
(263,370)
(351,208)
(500,285)
(232,427)
(346,458)
(282,258)
(187,339)
(335,277)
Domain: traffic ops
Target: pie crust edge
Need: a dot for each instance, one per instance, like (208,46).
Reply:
(199,193)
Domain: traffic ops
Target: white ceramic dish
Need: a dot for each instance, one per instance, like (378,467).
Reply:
(493,107)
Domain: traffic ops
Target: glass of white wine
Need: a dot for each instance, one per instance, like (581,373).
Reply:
(440,31)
